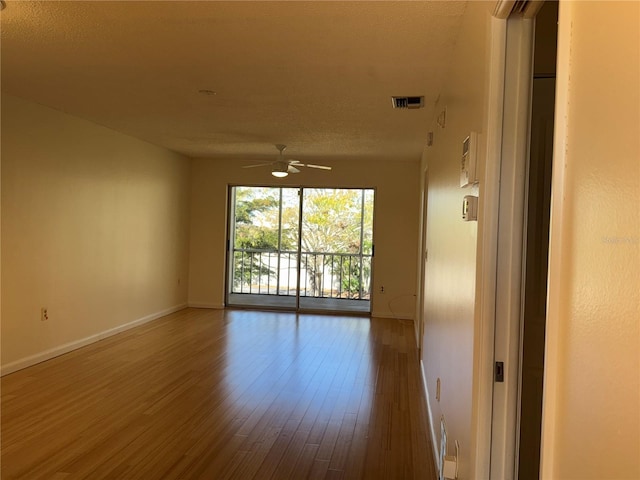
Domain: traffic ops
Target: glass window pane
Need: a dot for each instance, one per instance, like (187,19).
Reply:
(256,218)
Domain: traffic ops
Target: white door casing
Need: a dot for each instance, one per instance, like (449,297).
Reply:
(500,256)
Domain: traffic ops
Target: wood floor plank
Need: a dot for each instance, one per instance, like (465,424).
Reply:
(218,394)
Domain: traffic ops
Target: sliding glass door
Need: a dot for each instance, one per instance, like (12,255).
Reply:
(300,248)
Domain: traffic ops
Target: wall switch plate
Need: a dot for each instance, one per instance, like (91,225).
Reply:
(468,160)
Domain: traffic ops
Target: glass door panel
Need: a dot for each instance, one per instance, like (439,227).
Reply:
(263,259)
(335,271)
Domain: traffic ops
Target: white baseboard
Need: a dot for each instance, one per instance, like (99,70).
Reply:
(68,347)
(390,315)
(434,440)
(214,306)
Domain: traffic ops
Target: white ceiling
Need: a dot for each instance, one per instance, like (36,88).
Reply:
(317,76)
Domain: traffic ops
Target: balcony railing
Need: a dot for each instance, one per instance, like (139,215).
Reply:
(322,274)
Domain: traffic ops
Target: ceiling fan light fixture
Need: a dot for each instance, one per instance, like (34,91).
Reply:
(281,167)
(280,170)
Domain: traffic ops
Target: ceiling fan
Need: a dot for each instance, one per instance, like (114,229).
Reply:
(282,167)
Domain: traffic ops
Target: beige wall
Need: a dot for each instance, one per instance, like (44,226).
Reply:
(591,425)
(451,267)
(395,224)
(592,385)
(94,227)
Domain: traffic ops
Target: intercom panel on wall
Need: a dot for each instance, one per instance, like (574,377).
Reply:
(468,160)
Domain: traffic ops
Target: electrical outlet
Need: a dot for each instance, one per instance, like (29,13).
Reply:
(44,314)
(453,463)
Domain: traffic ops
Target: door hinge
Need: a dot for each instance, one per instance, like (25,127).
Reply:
(499,372)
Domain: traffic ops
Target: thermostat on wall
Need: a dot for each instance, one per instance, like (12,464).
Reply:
(468,161)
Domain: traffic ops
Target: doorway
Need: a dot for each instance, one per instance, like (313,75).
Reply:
(536,250)
(522,245)
(297,248)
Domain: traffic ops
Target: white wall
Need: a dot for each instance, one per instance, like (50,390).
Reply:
(395,228)
(94,227)
(591,424)
(450,300)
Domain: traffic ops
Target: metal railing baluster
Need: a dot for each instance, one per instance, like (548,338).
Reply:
(344,270)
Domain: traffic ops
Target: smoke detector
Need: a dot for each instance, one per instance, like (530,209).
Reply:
(407,102)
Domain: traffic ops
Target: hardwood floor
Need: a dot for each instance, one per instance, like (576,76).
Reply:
(209,394)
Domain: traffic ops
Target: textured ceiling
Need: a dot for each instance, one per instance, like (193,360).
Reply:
(317,76)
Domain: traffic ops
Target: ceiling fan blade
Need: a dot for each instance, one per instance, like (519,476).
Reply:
(286,166)
(321,167)
(258,165)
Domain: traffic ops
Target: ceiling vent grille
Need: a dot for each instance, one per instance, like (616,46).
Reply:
(407,102)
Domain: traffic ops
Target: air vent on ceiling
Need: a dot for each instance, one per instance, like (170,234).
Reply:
(407,102)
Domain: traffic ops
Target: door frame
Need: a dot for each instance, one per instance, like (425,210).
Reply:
(487,254)
(422,270)
(500,252)
(510,260)
(229,248)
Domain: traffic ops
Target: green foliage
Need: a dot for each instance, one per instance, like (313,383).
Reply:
(349,271)
(256,218)
(256,228)
(331,223)
(248,266)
